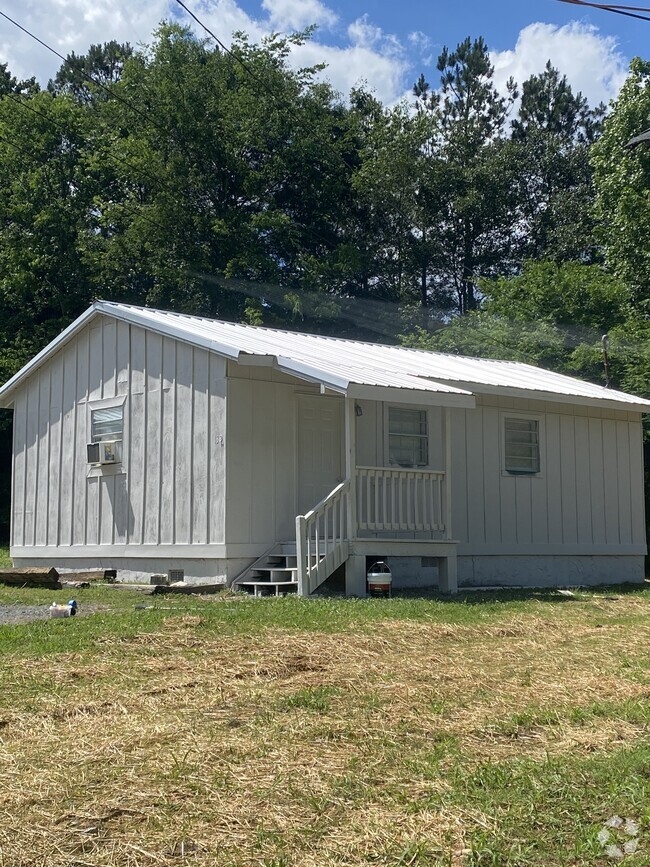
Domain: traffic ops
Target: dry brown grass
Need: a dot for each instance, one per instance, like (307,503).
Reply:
(184,746)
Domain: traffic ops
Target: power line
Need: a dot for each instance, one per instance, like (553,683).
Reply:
(68,61)
(247,68)
(110,91)
(607,8)
(225,47)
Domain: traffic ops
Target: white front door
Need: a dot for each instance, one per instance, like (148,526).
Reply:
(320,449)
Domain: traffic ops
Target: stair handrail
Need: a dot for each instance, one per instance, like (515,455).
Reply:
(322,539)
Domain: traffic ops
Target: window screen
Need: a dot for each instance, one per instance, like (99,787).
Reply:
(106,424)
(408,439)
(522,445)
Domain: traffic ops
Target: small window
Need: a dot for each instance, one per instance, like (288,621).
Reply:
(408,438)
(107,424)
(522,445)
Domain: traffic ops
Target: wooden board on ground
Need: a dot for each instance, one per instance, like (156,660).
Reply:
(89,575)
(188,589)
(31,576)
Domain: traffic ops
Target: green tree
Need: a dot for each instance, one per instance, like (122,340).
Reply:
(622,179)
(475,205)
(553,133)
(552,315)
(85,76)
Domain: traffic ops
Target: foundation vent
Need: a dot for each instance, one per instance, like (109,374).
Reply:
(175,575)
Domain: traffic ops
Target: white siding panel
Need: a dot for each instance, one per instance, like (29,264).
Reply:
(31,459)
(475,476)
(96,361)
(184,421)
(55,422)
(568,480)
(636,476)
(93,505)
(43,459)
(153,440)
(123,350)
(492,473)
(109,358)
(168,462)
(19,470)
(523,493)
(459,474)
(596,473)
(263,460)
(106,501)
(121,510)
(553,478)
(583,481)
(240,470)
(610,480)
(218,449)
(624,482)
(68,431)
(200,447)
(80,440)
(136,466)
(168,467)
(284,438)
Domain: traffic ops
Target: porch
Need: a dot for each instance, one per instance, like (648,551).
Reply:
(398,511)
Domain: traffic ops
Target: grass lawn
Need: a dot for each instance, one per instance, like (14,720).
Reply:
(492,730)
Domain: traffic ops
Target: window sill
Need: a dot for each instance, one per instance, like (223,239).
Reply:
(105,470)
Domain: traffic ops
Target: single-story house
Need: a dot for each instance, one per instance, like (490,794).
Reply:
(150,442)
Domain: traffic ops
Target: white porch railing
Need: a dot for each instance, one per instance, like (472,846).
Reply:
(400,500)
(322,539)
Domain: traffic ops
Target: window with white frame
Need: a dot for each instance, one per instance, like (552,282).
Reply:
(522,445)
(408,437)
(106,424)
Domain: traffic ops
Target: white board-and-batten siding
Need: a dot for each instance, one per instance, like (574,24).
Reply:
(168,489)
(587,498)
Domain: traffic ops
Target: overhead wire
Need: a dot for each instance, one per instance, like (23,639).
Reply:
(168,133)
(609,8)
(126,102)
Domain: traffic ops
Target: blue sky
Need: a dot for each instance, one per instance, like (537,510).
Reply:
(383,44)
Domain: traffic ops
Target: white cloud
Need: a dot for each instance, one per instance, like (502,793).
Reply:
(591,62)
(420,40)
(288,15)
(71,25)
(355,52)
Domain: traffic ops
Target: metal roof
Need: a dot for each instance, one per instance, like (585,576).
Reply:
(355,368)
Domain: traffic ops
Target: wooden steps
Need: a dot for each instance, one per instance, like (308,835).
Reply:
(273,574)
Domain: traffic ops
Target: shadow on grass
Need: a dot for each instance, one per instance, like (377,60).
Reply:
(539,594)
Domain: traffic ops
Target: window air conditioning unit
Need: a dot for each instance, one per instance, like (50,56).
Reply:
(106,452)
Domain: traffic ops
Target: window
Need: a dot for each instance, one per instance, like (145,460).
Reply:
(408,439)
(106,424)
(522,445)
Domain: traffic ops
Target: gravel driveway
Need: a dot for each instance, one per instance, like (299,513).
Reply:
(18,613)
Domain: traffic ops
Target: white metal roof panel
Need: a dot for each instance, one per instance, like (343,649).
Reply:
(345,364)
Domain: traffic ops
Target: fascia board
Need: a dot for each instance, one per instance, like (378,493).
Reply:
(639,405)
(38,360)
(313,374)
(463,399)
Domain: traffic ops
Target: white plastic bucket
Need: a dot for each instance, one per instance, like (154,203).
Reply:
(379,579)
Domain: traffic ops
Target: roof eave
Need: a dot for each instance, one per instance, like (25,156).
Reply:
(7,390)
(604,402)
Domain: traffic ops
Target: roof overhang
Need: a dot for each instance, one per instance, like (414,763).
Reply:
(445,395)
(604,402)
(7,390)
